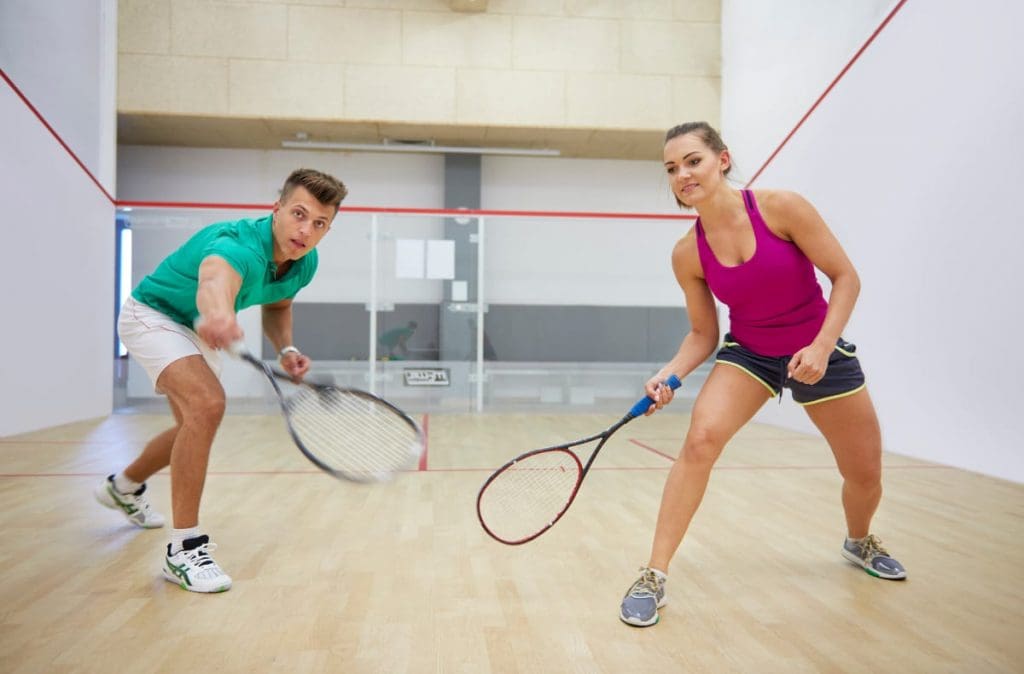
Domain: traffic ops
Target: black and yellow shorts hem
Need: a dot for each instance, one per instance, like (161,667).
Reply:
(843,377)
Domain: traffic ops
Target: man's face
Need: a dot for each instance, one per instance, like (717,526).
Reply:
(300,221)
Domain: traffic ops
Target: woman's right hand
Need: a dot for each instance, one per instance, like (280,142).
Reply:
(658,391)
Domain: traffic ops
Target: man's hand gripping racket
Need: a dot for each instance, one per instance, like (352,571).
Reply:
(525,497)
(348,433)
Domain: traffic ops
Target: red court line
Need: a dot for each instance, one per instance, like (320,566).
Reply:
(53,133)
(798,467)
(652,449)
(426,442)
(488,470)
(840,76)
(68,442)
(456,212)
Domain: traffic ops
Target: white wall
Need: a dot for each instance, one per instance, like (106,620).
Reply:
(777,59)
(914,162)
(58,308)
(63,57)
(585,261)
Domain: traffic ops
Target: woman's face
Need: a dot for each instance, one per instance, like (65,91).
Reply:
(695,171)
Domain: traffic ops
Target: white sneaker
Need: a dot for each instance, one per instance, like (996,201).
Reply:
(134,506)
(193,569)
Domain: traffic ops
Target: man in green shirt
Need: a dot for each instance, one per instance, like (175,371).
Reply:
(220,270)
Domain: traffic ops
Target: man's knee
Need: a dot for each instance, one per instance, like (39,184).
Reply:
(195,393)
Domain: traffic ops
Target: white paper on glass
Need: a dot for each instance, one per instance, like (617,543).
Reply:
(409,258)
(441,259)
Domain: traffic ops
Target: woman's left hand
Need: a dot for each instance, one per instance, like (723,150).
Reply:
(808,365)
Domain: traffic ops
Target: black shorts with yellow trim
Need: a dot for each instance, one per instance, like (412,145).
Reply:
(843,376)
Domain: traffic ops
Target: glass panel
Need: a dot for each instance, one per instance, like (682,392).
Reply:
(578,317)
(425,329)
(574,316)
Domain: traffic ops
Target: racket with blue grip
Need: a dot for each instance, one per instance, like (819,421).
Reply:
(529,494)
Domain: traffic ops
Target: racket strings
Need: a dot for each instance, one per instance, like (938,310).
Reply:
(528,496)
(354,435)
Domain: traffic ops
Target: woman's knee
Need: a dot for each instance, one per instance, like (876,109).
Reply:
(863,473)
(702,447)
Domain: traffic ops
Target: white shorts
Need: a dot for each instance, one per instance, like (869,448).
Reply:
(155,340)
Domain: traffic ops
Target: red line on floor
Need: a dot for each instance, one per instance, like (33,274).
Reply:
(662,467)
(652,449)
(426,436)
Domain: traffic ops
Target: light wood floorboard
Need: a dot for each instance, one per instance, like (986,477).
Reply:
(335,577)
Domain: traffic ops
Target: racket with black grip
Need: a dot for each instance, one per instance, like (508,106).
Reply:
(525,497)
(348,433)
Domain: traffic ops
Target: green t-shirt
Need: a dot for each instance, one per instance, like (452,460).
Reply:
(248,246)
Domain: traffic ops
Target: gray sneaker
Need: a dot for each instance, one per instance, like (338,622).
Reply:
(873,558)
(134,506)
(642,601)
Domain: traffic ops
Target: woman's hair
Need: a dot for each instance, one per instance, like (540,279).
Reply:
(326,189)
(705,132)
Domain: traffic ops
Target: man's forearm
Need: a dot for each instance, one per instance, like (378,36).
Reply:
(277,326)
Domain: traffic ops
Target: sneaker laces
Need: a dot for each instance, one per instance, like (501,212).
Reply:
(200,556)
(871,547)
(647,585)
(205,565)
(141,503)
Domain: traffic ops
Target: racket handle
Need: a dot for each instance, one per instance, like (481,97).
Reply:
(239,350)
(235,349)
(644,404)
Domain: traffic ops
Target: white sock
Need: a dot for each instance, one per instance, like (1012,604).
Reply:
(125,485)
(179,536)
(662,576)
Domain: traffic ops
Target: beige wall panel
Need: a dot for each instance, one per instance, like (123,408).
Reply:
(325,3)
(399,94)
(698,10)
(240,30)
(440,134)
(332,35)
(671,48)
(618,101)
(456,39)
(546,67)
(510,98)
(172,84)
(325,130)
(587,45)
(527,7)
(421,5)
(620,9)
(144,26)
(282,89)
(696,99)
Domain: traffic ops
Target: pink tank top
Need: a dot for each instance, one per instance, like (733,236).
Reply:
(776,306)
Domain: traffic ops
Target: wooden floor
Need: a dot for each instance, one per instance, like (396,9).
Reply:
(333,577)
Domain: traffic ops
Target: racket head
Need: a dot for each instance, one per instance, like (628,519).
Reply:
(525,497)
(352,434)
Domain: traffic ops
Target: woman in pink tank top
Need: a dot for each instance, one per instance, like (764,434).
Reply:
(757,253)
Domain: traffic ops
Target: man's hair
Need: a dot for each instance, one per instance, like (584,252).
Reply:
(325,188)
